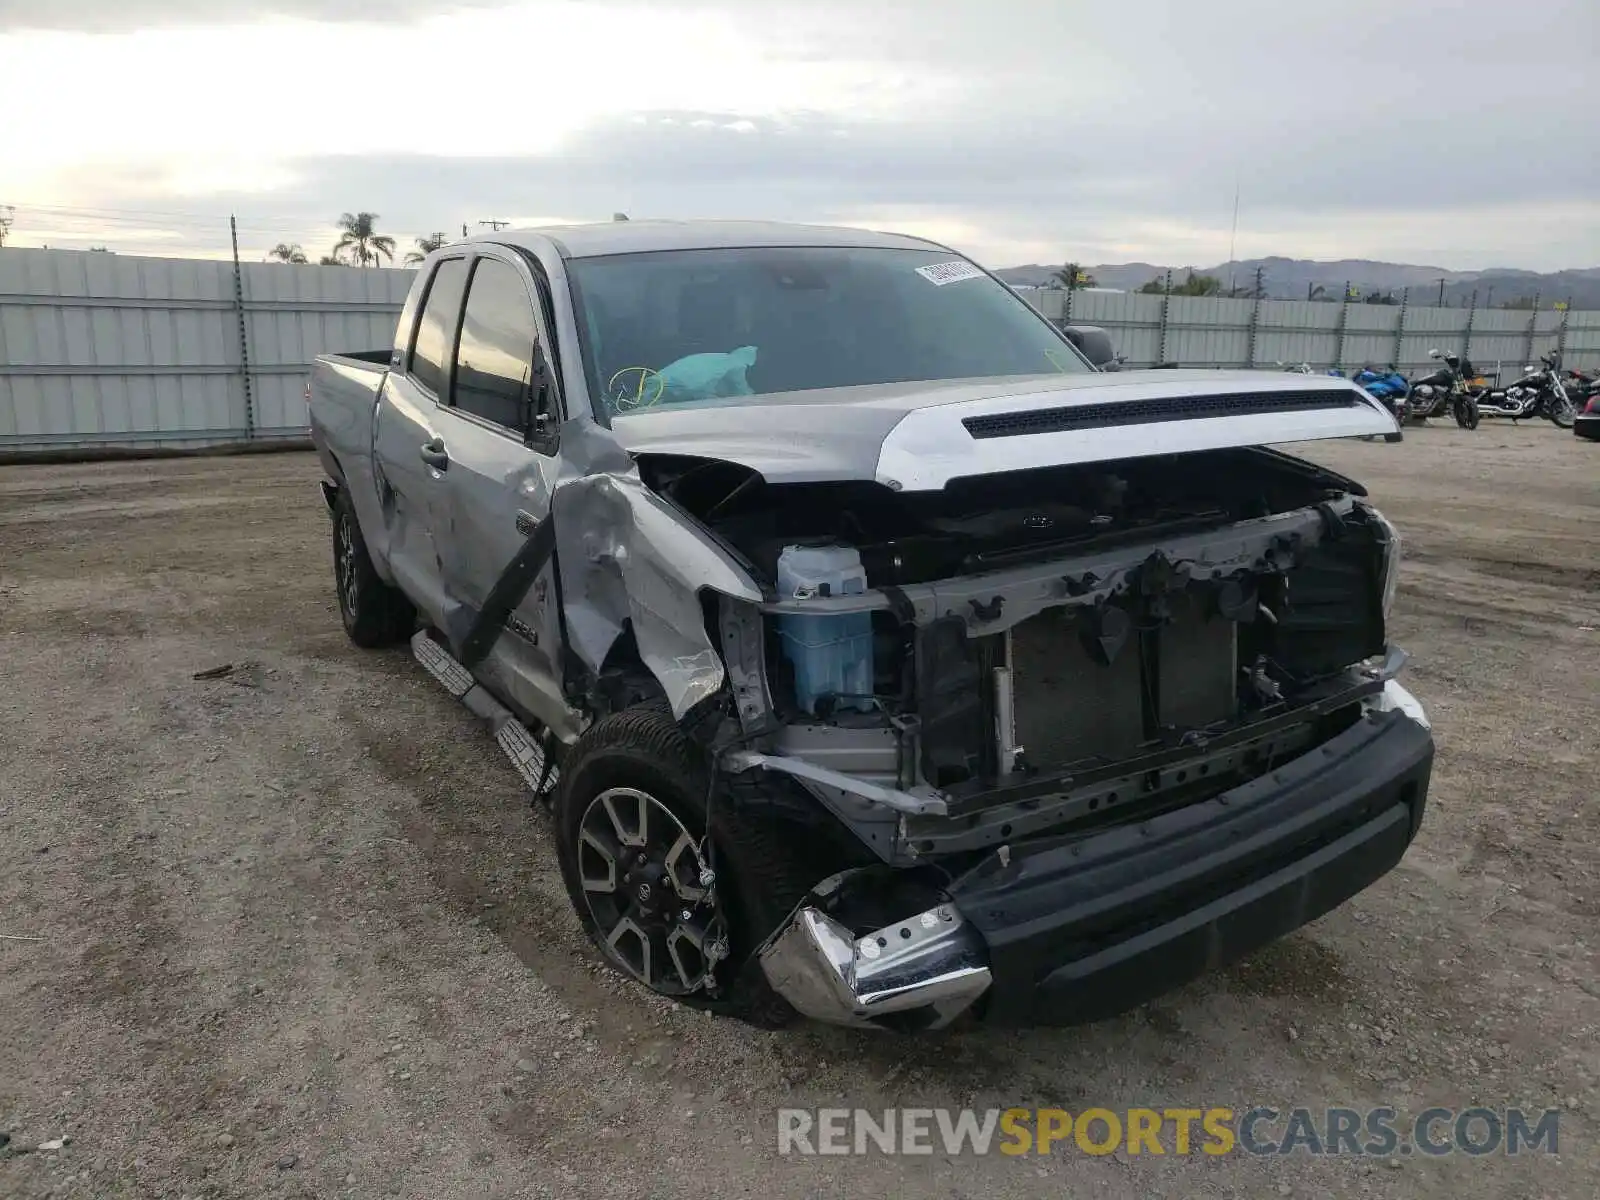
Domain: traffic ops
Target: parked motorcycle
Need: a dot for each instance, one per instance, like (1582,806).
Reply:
(1387,386)
(1541,392)
(1444,390)
(1583,386)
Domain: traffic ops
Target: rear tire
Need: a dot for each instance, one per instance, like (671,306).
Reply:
(639,760)
(374,613)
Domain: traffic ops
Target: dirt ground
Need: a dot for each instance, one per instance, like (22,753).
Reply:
(298,933)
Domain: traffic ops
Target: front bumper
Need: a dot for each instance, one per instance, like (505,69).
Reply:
(1082,929)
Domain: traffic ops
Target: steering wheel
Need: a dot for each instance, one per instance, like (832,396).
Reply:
(640,387)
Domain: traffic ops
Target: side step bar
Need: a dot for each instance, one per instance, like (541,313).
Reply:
(527,755)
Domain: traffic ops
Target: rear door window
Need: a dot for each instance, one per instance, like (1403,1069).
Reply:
(436,331)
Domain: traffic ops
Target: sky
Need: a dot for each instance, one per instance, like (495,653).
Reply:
(1460,135)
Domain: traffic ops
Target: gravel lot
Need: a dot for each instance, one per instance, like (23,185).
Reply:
(300,934)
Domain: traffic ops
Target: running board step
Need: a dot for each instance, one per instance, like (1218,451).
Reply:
(455,678)
(524,750)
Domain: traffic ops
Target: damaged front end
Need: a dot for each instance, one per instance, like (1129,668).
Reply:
(1018,673)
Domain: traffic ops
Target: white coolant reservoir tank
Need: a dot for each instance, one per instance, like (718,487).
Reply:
(831,653)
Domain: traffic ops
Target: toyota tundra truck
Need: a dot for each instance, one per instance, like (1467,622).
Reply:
(876,656)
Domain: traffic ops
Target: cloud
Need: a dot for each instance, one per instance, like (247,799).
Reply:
(109,16)
(1094,132)
(1007,198)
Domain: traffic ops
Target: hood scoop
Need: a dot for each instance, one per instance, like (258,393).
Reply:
(1160,408)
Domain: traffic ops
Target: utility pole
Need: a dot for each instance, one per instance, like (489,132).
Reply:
(497,226)
(464,232)
(1441,291)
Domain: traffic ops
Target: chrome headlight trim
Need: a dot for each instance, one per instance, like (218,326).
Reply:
(1391,563)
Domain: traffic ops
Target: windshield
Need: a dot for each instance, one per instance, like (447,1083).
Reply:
(680,327)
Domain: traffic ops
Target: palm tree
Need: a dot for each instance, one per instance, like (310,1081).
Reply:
(426,246)
(1072,277)
(287,252)
(357,234)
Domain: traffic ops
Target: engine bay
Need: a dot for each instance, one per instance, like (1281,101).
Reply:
(987,522)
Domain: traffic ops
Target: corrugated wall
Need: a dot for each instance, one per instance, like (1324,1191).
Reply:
(111,350)
(107,349)
(1213,331)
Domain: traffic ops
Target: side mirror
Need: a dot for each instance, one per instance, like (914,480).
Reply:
(1094,343)
(539,428)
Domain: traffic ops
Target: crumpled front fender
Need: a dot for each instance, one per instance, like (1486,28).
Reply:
(625,555)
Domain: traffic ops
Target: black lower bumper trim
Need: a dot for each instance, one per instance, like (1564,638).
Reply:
(1084,930)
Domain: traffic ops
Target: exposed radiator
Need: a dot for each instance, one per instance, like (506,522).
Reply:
(1070,707)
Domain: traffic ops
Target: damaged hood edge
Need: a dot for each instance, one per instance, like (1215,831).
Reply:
(911,436)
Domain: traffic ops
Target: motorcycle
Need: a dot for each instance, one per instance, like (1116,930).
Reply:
(1541,392)
(1583,386)
(1388,386)
(1442,391)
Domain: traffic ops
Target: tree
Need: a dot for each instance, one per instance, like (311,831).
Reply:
(426,246)
(287,252)
(1194,285)
(332,260)
(7,216)
(1072,276)
(359,235)
(1199,285)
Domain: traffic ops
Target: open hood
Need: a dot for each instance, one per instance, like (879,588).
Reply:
(919,436)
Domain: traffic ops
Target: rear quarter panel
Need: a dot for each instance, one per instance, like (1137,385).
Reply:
(345,394)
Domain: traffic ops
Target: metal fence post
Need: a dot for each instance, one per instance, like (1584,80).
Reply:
(1533,321)
(1533,324)
(1166,302)
(1066,306)
(1466,334)
(1400,328)
(244,340)
(1344,318)
(1252,337)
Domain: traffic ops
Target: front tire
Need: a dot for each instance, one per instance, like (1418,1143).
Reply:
(1466,412)
(630,820)
(374,613)
(1563,412)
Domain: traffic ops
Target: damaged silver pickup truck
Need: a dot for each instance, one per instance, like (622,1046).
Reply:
(878,657)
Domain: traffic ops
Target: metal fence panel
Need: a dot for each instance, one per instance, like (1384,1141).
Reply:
(104,349)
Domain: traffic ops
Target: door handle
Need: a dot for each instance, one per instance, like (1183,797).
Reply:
(433,453)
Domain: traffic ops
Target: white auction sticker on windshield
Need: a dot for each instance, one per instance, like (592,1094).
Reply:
(940,274)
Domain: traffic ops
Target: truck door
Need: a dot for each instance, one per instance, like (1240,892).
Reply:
(499,481)
(410,458)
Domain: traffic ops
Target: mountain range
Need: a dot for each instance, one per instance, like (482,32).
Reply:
(1296,278)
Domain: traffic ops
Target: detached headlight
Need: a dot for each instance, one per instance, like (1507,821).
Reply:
(1391,562)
